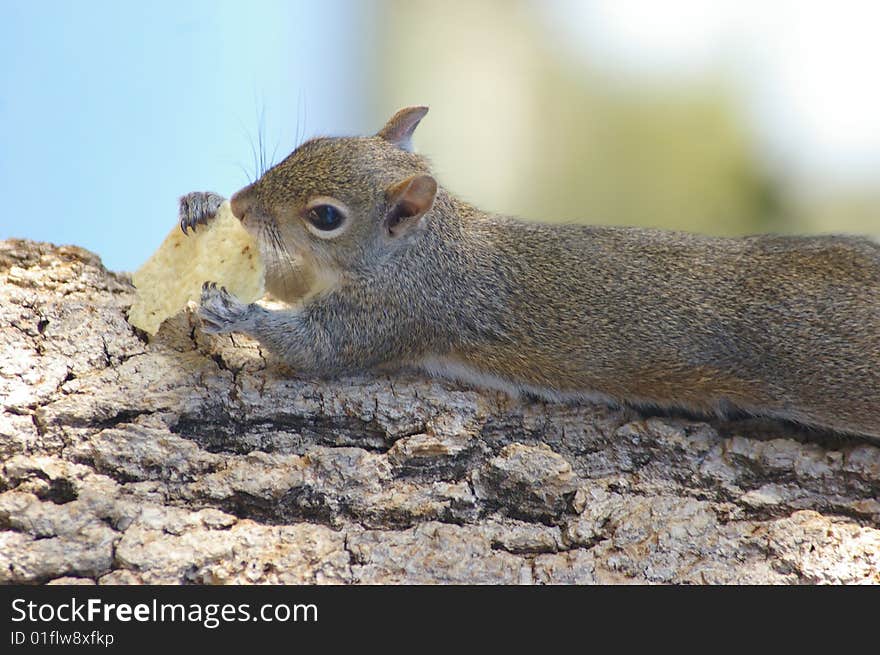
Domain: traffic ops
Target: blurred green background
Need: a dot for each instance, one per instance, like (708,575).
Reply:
(660,121)
(713,116)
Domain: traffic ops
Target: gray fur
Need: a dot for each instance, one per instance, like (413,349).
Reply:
(778,326)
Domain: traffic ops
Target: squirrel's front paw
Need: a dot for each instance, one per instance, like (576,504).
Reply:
(198,207)
(220,311)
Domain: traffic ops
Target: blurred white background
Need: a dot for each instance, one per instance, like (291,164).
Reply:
(716,116)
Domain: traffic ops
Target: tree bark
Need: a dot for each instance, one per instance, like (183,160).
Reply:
(185,458)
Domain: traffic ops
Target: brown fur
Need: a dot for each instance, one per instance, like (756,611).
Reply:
(779,326)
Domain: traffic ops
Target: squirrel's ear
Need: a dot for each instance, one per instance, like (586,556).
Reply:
(399,129)
(408,200)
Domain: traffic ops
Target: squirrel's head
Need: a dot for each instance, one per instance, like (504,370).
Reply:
(341,202)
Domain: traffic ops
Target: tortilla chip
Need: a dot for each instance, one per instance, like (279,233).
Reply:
(221,252)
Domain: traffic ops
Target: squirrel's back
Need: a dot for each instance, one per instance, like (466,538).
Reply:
(783,325)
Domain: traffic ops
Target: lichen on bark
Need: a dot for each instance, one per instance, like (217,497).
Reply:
(184,458)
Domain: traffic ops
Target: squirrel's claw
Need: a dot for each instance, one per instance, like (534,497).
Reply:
(220,311)
(198,207)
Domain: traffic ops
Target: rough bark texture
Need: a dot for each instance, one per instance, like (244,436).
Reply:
(198,460)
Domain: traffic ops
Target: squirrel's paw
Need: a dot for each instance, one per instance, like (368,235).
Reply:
(220,311)
(198,207)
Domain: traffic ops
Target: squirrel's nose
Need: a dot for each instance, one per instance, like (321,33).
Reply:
(240,203)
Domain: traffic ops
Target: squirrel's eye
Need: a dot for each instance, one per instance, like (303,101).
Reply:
(325,217)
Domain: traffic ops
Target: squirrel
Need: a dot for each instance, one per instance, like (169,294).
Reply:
(403,273)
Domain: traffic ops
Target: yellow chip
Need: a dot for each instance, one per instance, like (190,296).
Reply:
(221,252)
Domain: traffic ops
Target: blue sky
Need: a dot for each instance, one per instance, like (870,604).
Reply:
(111,110)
